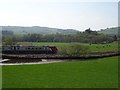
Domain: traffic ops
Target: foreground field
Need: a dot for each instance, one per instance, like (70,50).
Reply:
(99,73)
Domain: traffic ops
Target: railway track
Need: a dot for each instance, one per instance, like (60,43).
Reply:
(58,56)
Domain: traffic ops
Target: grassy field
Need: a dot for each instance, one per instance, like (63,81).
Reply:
(91,48)
(101,73)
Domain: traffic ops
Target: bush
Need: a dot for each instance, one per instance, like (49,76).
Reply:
(74,49)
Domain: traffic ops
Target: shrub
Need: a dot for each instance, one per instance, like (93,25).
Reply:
(74,49)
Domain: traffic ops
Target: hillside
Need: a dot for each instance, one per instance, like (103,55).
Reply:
(38,30)
(46,30)
(110,31)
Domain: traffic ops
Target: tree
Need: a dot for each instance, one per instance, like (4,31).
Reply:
(9,41)
(115,38)
(88,31)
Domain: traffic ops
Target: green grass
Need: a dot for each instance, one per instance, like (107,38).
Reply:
(101,73)
(91,48)
(0,77)
(103,47)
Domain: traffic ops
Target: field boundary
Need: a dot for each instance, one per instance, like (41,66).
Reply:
(58,56)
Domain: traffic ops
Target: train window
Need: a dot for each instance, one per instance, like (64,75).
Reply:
(28,48)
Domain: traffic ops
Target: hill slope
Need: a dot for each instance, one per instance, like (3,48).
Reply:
(110,31)
(38,30)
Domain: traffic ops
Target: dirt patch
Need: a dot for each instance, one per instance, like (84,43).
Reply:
(22,60)
(30,62)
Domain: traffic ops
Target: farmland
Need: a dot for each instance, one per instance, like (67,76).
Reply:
(100,73)
(90,48)
(93,73)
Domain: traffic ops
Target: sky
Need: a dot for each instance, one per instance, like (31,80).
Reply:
(64,14)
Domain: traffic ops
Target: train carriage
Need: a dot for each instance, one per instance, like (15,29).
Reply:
(29,50)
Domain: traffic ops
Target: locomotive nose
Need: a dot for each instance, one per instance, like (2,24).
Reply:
(54,49)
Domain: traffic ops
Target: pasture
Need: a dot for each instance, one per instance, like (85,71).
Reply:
(97,73)
(62,47)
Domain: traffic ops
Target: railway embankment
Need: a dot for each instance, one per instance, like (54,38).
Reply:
(58,56)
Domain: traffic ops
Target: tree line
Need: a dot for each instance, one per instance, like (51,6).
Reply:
(88,36)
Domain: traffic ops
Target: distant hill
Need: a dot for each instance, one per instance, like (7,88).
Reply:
(39,30)
(46,30)
(110,31)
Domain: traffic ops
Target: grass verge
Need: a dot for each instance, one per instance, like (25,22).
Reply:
(98,73)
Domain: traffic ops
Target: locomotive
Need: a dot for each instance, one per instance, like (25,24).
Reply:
(29,49)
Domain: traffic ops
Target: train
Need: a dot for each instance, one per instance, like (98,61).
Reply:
(29,49)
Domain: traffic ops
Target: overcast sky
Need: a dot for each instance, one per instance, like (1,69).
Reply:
(66,14)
